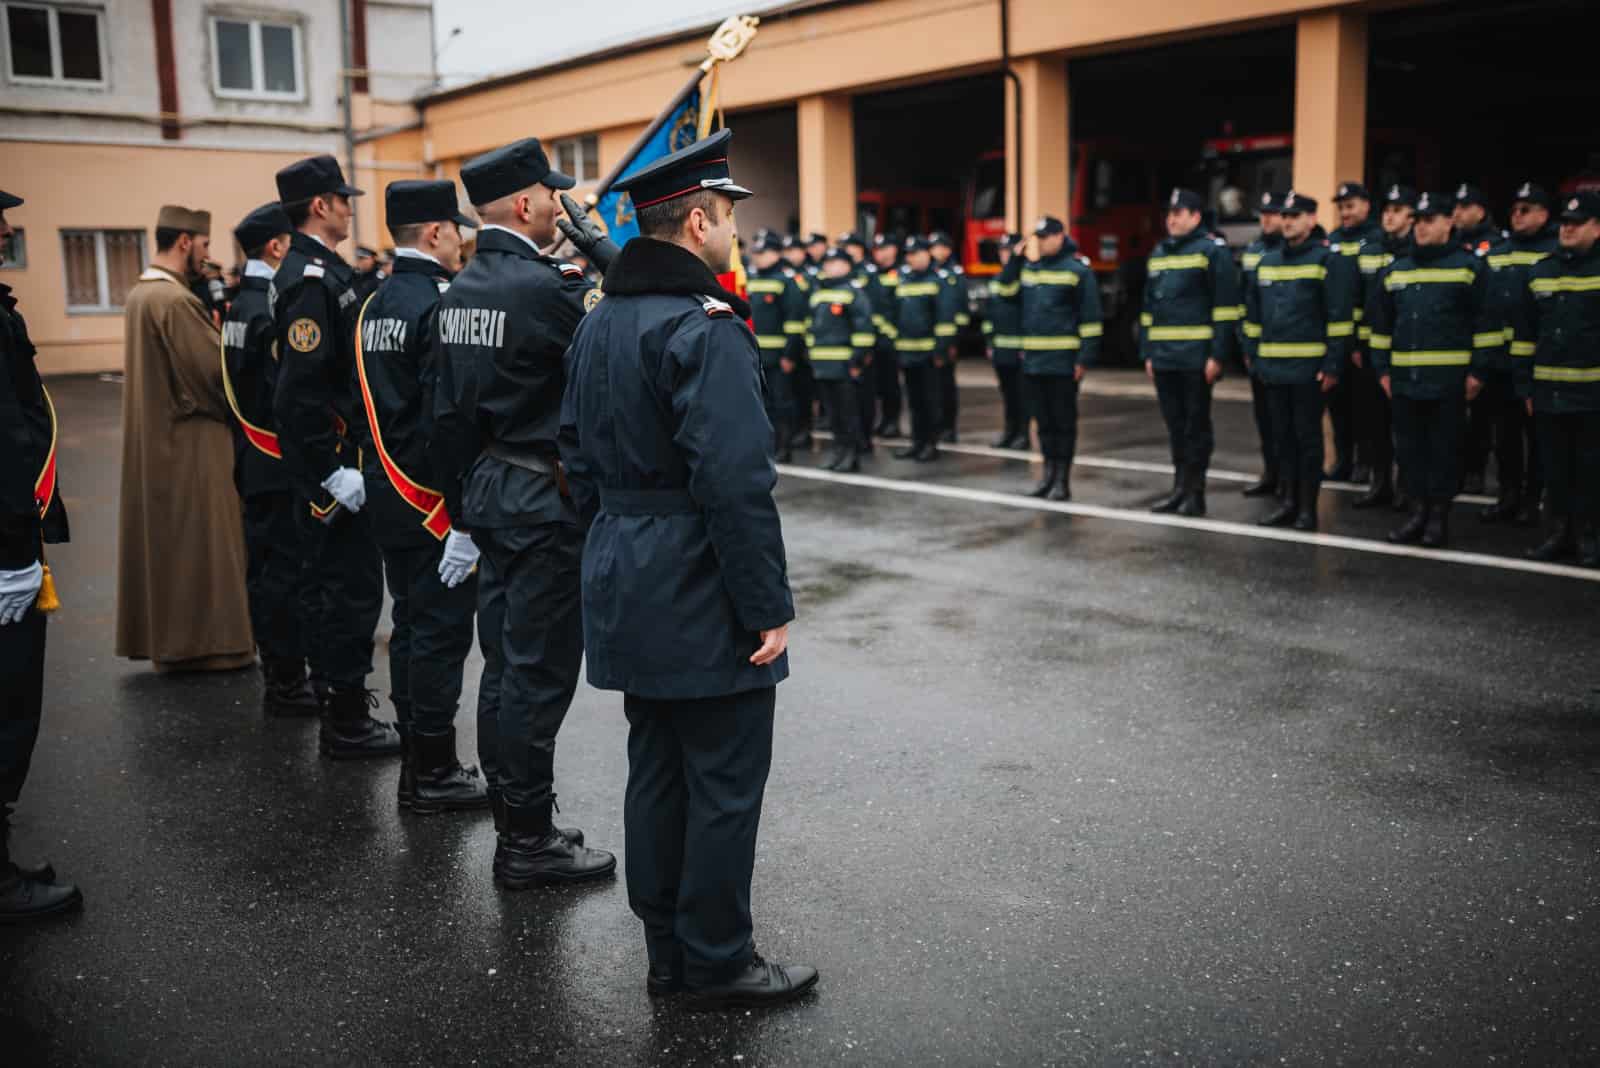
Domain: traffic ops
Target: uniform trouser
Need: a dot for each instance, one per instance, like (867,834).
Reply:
(804,385)
(21,699)
(1341,414)
(922,390)
(1297,427)
(1516,445)
(1261,408)
(274,574)
(530,629)
(1374,423)
(697,770)
(886,374)
(840,395)
(866,404)
(1477,435)
(779,399)
(1428,433)
(1054,402)
(949,395)
(431,638)
(1569,447)
(1185,398)
(1011,402)
(344,595)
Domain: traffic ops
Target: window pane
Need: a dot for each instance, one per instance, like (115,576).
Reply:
(233,55)
(590,167)
(80,45)
(14,250)
(83,278)
(564,157)
(124,262)
(30,42)
(277,56)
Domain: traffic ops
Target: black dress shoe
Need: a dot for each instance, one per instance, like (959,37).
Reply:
(1559,545)
(849,463)
(907,453)
(1282,516)
(759,985)
(835,458)
(1170,502)
(1046,481)
(349,733)
(661,982)
(1061,490)
(532,852)
(1378,496)
(1019,441)
(1306,520)
(949,437)
(927,453)
(1265,486)
(1437,533)
(1410,532)
(1194,504)
(25,900)
(886,430)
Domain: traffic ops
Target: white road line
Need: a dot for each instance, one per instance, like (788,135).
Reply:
(1112,463)
(1212,526)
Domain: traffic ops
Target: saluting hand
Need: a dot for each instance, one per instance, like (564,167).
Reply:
(773,643)
(585,236)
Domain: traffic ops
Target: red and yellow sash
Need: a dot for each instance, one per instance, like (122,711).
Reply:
(429,502)
(44,487)
(261,438)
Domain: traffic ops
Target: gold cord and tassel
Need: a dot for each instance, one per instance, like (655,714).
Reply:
(47,601)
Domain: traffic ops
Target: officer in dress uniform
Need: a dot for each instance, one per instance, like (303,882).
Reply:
(954,278)
(924,334)
(1476,231)
(1353,405)
(1271,236)
(502,328)
(31,515)
(1298,326)
(314,306)
(1533,238)
(1433,335)
(685,586)
(1556,335)
(274,579)
(1061,332)
(1186,335)
(432,613)
(839,340)
(779,308)
(885,361)
(1002,329)
(1377,422)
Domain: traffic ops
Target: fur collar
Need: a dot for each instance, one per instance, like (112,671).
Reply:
(646,265)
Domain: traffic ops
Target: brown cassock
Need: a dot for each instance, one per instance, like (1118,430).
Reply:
(180,550)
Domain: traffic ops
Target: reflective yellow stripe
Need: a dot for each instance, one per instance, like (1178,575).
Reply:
(988,326)
(832,352)
(1522,348)
(1250,260)
(1357,314)
(1347,248)
(1090,329)
(1380,341)
(1510,332)
(1047,278)
(768,341)
(832,296)
(1227,314)
(914,344)
(1050,344)
(1146,319)
(918,289)
(1252,329)
(765,285)
(1180,333)
(1432,358)
(863,340)
(1280,273)
(962,318)
(1370,262)
(1007,341)
(1292,349)
(1488,341)
(1567,374)
(1009,289)
(1191,262)
(794,326)
(1344,329)
(1516,259)
(944,330)
(1567,283)
(1428,276)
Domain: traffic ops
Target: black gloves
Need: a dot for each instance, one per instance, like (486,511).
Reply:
(585,235)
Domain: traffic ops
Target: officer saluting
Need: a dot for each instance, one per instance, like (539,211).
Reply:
(314,307)
(502,329)
(686,591)
(432,615)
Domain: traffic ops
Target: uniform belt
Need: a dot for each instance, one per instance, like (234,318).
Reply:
(529,461)
(647,502)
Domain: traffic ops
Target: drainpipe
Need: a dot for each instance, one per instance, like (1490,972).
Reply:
(346,83)
(1016,94)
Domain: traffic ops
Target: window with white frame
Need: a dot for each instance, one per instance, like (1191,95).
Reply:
(256,59)
(579,157)
(54,44)
(14,250)
(101,266)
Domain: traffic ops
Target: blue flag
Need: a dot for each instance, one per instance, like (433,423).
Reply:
(616,209)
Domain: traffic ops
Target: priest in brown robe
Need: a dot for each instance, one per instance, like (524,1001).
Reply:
(181,558)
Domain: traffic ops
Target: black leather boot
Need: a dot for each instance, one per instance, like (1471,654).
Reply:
(1019,441)
(759,984)
(1589,545)
(27,900)
(348,730)
(783,451)
(1172,500)
(1265,486)
(927,452)
(406,789)
(908,453)
(1288,507)
(849,461)
(1380,494)
(442,784)
(531,852)
(1306,518)
(1061,488)
(1558,545)
(1047,481)
(1194,498)
(287,693)
(1437,533)
(1410,532)
(497,806)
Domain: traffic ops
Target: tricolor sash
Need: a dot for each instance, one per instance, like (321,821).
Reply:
(44,487)
(263,439)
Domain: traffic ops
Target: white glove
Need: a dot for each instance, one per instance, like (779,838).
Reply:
(347,487)
(460,557)
(18,591)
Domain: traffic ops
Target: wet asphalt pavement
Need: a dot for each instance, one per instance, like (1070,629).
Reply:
(1047,789)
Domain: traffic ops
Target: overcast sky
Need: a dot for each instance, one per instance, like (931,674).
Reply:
(506,35)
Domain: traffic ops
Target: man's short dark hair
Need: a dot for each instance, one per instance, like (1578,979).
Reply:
(166,237)
(298,211)
(666,219)
(406,235)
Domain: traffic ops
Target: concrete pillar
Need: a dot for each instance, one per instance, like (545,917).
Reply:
(1330,106)
(1044,152)
(827,145)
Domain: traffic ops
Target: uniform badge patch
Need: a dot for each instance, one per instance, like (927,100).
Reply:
(591,298)
(304,335)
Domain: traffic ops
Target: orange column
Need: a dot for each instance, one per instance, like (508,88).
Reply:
(1044,151)
(1330,106)
(827,148)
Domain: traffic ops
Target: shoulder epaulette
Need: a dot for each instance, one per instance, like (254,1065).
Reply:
(715,307)
(314,270)
(570,270)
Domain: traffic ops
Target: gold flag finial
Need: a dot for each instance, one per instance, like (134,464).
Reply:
(732,38)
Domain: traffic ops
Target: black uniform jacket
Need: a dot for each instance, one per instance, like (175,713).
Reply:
(669,452)
(250,375)
(27,422)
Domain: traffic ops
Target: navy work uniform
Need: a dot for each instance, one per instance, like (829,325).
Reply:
(1478,238)
(1002,331)
(1556,339)
(314,306)
(924,338)
(954,278)
(861,276)
(1516,451)
(1432,326)
(274,575)
(1351,405)
(883,278)
(502,328)
(839,340)
(1061,330)
(1375,421)
(1267,485)
(778,310)
(31,515)
(1191,303)
(804,386)
(1298,326)
(432,622)
(669,452)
